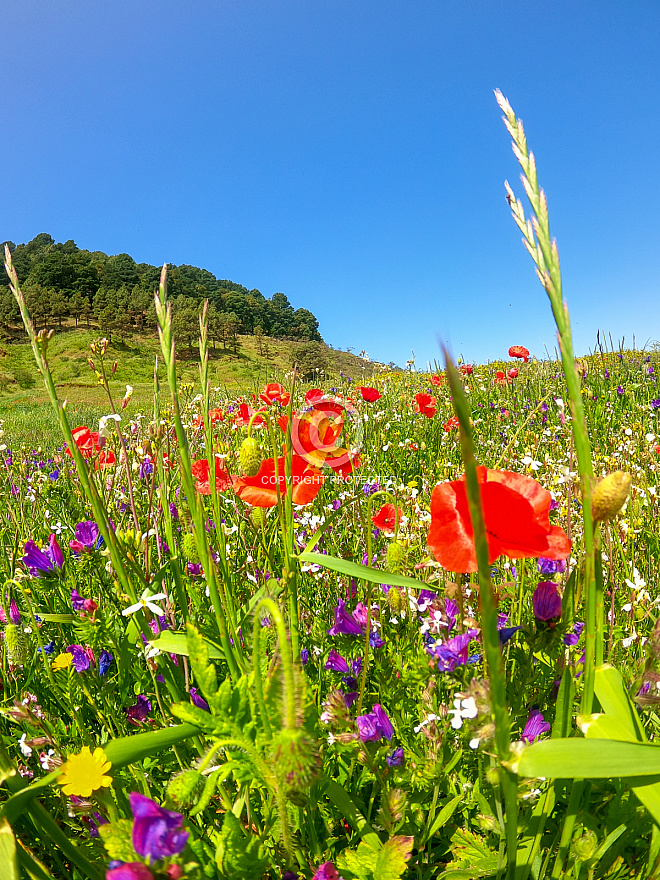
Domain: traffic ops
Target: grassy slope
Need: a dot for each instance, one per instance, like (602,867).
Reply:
(27,414)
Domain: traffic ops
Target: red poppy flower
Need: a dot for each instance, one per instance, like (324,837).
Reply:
(519,351)
(244,414)
(313,396)
(275,393)
(451,424)
(437,381)
(500,378)
(261,490)
(315,436)
(201,471)
(516,512)
(385,519)
(88,443)
(371,395)
(426,405)
(215,415)
(466,369)
(512,373)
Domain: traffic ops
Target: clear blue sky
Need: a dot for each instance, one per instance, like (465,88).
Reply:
(349,153)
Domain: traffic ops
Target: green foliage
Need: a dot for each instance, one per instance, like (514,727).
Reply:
(118,841)
(386,862)
(237,855)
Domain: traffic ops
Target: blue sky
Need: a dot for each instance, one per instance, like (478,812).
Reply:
(349,153)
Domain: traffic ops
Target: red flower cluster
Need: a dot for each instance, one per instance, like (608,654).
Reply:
(451,424)
(88,443)
(426,405)
(262,489)
(201,471)
(275,393)
(516,510)
(385,519)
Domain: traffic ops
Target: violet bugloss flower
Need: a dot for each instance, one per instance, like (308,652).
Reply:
(198,700)
(337,663)
(453,652)
(105,662)
(80,660)
(77,601)
(41,562)
(138,713)
(546,601)
(375,725)
(536,725)
(14,614)
(345,622)
(551,566)
(395,758)
(86,537)
(157,833)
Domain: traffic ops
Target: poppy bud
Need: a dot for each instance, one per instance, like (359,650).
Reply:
(17,645)
(392,808)
(394,599)
(584,846)
(294,759)
(258,517)
(609,495)
(189,547)
(184,788)
(249,457)
(396,557)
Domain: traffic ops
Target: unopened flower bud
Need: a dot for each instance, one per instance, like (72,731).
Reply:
(189,547)
(394,599)
(396,557)
(294,759)
(258,517)
(17,645)
(249,457)
(609,495)
(584,846)
(184,788)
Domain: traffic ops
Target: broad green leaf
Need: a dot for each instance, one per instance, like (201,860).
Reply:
(191,714)
(564,711)
(176,643)
(587,759)
(354,570)
(238,855)
(444,816)
(472,857)
(8,862)
(392,858)
(615,701)
(349,809)
(118,840)
(203,669)
(129,749)
(359,864)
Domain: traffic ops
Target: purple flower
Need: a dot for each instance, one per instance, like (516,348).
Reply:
(326,871)
(137,714)
(105,662)
(336,504)
(536,725)
(655,404)
(14,614)
(571,639)
(345,622)
(454,652)
(195,569)
(174,511)
(86,537)
(337,663)
(40,562)
(157,833)
(395,758)
(546,601)
(129,871)
(80,660)
(551,566)
(77,600)
(607,373)
(425,598)
(619,389)
(375,725)
(198,701)
(146,468)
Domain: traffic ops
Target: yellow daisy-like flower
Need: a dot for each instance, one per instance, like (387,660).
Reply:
(84,773)
(63,661)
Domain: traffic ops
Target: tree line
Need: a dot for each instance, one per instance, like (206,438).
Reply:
(60,281)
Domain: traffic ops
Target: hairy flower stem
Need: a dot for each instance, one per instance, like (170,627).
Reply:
(543,250)
(164,316)
(287,663)
(491,638)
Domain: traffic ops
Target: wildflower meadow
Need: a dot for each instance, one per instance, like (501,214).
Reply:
(336,630)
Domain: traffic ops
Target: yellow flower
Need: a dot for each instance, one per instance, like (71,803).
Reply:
(62,661)
(83,773)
